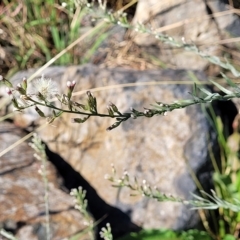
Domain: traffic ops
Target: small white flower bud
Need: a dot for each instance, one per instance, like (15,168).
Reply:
(133,116)
(85,223)
(146,111)
(69,84)
(64,4)
(8,91)
(73,83)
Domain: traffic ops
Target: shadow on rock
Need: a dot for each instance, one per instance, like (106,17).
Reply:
(120,222)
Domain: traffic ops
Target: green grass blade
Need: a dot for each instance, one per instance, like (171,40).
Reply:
(221,88)
(204,90)
(229,81)
(26,57)
(56,37)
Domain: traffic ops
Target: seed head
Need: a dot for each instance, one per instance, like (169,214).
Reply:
(45,87)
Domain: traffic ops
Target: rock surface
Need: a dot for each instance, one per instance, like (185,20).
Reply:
(228,23)
(189,19)
(22,193)
(157,149)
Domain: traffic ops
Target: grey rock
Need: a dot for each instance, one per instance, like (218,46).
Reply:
(22,192)
(228,23)
(157,149)
(184,19)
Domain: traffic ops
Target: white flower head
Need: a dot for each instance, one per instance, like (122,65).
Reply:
(64,4)
(45,86)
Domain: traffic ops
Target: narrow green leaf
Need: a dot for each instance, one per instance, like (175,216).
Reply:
(208,98)
(205,91)
(26,57)
(56,37)
(229,81)
(194,89)
(221,88)
(210,207)
(80,120)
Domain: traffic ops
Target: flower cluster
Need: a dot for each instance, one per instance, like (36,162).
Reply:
(106,232)
(81,204)
(208,201)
